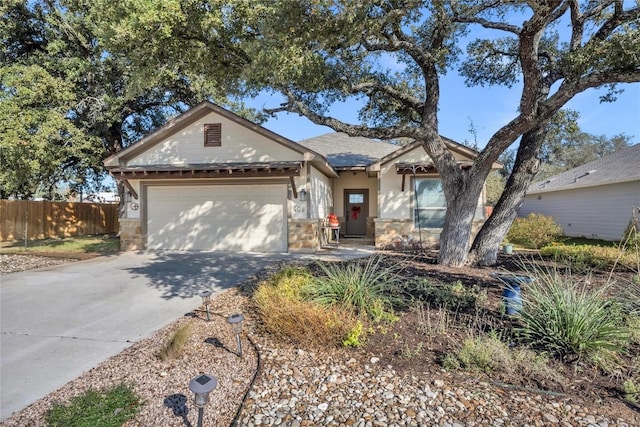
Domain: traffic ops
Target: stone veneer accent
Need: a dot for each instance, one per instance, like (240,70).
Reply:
(131,234)
(401,233)
(304,235)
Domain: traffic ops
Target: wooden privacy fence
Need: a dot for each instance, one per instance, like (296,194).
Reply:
(44,219)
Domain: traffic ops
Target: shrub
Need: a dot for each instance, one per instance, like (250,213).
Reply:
(483,354)
(105,408)
(363,287)
(286,315)
(487,354)
(561,316)
(173,348)
(586,257)
(534,231)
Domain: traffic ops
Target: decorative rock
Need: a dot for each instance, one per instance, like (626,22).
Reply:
(323,406)
(375,360)
(551,418)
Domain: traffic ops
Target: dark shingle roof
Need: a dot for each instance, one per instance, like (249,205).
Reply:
(621,166)
(344,151)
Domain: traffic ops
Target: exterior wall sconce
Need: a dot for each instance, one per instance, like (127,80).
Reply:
(201,386)
(206,296)
(127,196)
(302,195)
(235,320)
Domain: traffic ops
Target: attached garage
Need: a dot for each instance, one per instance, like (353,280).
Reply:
(245,218)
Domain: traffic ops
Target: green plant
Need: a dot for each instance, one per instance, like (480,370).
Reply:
(410,352)
(451,295)
(173,347)
(562,316)
(631,390)
(363,287)
(534,231)
(355,338)
(105,408)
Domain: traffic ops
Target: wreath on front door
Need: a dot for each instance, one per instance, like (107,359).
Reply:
(355,210)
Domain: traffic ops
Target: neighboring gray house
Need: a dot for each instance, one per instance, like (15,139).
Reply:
(595,200)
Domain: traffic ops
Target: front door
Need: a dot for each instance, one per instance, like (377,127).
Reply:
(356,212)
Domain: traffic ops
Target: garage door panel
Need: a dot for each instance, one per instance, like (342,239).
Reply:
(229,218)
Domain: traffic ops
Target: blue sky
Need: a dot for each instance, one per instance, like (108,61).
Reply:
(489,108)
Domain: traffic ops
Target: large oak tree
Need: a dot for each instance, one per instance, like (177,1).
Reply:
(72,92)
(390,55)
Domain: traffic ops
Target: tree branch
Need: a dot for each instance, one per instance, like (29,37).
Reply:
(371,88)
(295,105)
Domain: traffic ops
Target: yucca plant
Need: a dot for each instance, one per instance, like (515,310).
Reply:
(562,316)
(364,287)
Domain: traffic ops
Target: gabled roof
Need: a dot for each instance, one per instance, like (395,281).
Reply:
(621,166)
(451,145)
(349,152)
(185,119)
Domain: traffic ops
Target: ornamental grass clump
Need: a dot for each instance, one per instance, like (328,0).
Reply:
(561,316)
(286,314)
(363,287)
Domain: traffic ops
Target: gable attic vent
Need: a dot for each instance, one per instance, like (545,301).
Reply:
(213,134)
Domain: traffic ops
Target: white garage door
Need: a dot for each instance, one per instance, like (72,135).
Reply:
(217,218)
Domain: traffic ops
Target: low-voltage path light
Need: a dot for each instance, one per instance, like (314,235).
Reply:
(206,299)
(201,386)
(235,320)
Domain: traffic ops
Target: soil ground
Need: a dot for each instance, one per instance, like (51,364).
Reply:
(423,335)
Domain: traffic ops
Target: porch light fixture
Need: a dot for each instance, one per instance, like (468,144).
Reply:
(206,296)
(201,386)
(303,195)
(127,196)
(235,320)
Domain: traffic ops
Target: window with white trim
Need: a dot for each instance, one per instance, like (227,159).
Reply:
(430,205)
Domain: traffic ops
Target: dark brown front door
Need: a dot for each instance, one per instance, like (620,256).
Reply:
(356,211)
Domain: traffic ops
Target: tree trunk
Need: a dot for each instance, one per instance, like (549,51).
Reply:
(484,250)
(456,234)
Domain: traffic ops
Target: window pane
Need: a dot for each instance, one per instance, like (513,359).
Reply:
(430,218)
(356,198)
(429,193)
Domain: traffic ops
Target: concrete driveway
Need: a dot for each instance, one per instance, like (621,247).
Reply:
(59,322)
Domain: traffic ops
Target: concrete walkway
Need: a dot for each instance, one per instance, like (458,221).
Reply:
(59,322)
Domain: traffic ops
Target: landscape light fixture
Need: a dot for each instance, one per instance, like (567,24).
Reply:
(201,386)
(206,296)
(235,320)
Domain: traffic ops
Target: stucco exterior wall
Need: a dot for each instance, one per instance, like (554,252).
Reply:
(239,144)
(320,194)
(601,212)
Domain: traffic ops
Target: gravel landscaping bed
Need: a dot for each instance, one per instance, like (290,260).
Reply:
(311,387)
(11,263)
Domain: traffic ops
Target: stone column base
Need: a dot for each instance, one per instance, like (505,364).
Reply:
(131,234)
(304,235)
